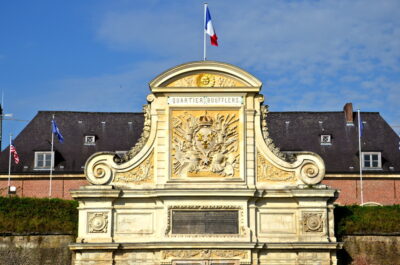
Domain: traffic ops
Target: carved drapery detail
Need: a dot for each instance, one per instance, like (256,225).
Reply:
(143,173)
(205,143)
(313,222)
(206,80)
(270,143)
(204,254)
(266,171)
(97,222)
(143,137)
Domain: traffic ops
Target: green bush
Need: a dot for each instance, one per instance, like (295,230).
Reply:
(50,216)
(367,220)
(38,216)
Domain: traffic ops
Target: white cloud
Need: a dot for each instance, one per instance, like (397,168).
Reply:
(311,55)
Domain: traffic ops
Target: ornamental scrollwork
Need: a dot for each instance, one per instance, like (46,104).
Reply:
(142,140)
(98,222)
(206,144)
(206,80)
(266,171)
(310,173)
(204,254)
(269,142)
(313,222)
(99,173)
(143,173)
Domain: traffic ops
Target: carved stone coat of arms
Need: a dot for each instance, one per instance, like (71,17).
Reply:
(205,144)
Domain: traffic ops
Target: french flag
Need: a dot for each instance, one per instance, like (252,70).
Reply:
(210,29)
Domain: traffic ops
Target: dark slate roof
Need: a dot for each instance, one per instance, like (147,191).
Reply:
(291,131)
(300,131)
(113,131)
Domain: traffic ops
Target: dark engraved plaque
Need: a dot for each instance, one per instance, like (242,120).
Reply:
(205,222)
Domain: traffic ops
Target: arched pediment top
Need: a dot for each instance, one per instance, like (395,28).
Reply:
(205,74)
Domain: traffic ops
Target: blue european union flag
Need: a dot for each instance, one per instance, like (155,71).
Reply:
(361,126)
(56,131)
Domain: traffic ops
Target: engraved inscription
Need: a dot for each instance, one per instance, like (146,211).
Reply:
(206,100)
(205,222)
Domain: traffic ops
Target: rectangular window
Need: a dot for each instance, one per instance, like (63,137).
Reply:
(43,160)
(371,160)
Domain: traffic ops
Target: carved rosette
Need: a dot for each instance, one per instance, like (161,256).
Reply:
(313,222)
(205,143)
(266,171)
(204,254)
(310,173)
(98,222)
(143,173)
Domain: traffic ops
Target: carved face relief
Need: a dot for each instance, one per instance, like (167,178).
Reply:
(205,143)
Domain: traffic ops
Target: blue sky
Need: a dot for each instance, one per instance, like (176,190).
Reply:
(96,55)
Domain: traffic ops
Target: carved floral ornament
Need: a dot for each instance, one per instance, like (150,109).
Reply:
(98,222)
(309,172)
(204,254)
(143,173)
(206,80)
(205,143)
(266,171)
(313,222)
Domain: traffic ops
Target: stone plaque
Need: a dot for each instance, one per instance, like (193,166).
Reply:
(205,222)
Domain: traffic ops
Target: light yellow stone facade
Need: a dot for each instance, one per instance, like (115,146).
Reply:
(205,184)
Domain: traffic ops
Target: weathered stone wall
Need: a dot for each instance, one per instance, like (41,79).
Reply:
(53,249)
(370,250)
(35,250)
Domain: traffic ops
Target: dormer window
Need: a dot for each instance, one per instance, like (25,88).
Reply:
(326,139)
(43,160)
(90,140)
(371,160)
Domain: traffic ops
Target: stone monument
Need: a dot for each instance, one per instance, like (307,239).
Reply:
(205,184)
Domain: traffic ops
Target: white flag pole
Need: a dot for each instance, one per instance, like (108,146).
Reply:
(204,29)
(9,166)
(360,157)
(52,156)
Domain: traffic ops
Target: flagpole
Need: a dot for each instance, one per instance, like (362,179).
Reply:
(52,157)
(9,166)
(360,157)
(204,29)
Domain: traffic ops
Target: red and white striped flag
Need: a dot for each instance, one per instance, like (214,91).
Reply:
(14,152)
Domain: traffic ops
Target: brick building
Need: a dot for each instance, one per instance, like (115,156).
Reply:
(332,135)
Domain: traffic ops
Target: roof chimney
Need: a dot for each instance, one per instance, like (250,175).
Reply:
(348,113)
